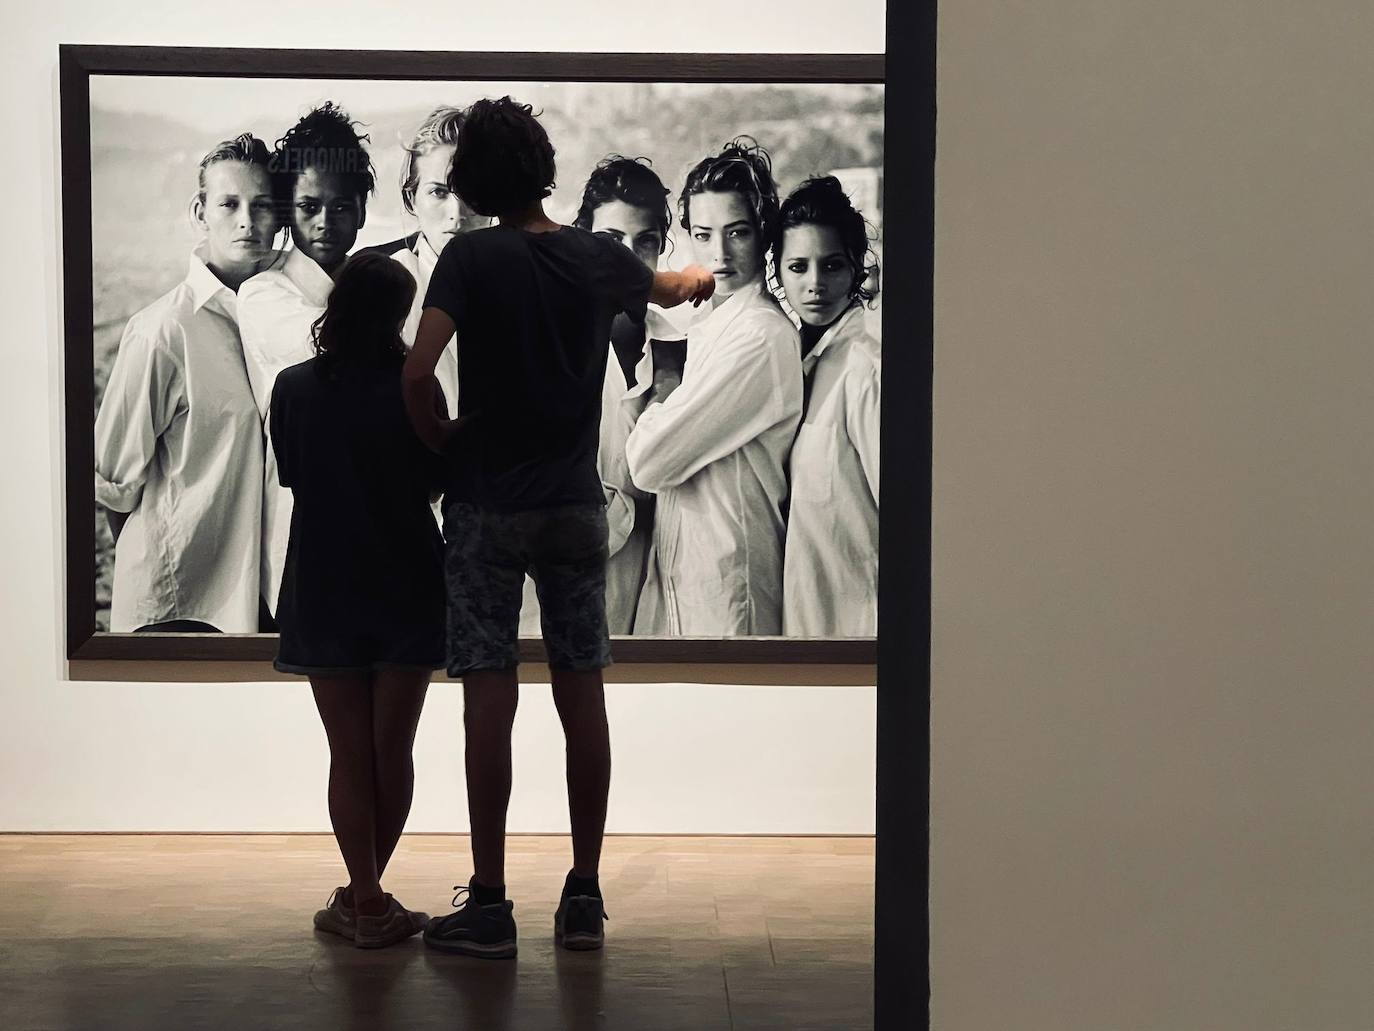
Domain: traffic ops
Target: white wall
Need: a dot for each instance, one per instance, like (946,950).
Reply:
(1154,516)
(103,756)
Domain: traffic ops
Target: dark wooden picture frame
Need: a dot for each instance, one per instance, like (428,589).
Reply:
(78,63)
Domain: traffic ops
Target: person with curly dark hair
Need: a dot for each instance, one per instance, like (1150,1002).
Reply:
(714,450)
(178,445)
(531,302)
(361,609)
(322,176)
(625,200)
(830,570)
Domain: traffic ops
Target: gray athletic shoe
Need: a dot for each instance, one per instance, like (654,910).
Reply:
(336,918)
(396,924)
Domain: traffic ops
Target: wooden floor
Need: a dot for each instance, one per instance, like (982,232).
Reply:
(186,932)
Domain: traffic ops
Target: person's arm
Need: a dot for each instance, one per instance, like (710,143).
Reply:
(141,400)
(419,385)
(693,284)
(724,404)
(115,521)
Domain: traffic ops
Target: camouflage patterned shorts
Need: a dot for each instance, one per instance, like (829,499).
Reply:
(486,556)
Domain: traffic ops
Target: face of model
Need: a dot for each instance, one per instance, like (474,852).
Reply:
(725,241)
(325,217)
(635,227)
(816,274)
(441,212)
(237,216)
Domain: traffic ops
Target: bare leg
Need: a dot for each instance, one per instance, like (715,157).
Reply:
(397,698)
(489,701)
(345,705)
(581,702)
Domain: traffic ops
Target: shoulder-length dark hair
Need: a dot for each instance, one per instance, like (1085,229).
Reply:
(822,202)
(362,320)
(631,180)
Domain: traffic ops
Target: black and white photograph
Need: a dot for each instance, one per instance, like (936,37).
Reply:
(738,440)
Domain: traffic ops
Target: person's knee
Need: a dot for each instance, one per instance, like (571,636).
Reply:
(489,710)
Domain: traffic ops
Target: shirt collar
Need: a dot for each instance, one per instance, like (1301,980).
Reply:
(850,324)
(426,254)
(205,285)
(730,307)
(312,281)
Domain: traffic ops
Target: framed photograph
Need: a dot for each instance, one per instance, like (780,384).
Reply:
(742,511)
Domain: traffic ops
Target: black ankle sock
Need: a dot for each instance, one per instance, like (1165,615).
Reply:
(485,896)
(575,885)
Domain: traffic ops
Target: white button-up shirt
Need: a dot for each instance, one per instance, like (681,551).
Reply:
(715,454)
(276,311)
(420,263)
(178,446)
(630,536)
(830,573)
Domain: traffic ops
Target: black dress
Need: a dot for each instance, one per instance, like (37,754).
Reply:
(363,586)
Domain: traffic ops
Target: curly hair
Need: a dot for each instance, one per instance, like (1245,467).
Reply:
(324,139)
(244,147)
(631,180)
(742,167)
(440,127)
(362,320)
(505,161)
(821,201)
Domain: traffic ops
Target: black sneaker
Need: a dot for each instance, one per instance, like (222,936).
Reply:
(474,930)
(578,922)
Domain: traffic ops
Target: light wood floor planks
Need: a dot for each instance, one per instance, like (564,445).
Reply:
(193,932)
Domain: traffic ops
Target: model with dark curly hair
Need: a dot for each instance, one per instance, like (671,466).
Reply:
(625,200)
(714,450)
(822,259)
(531,303)
(322,176)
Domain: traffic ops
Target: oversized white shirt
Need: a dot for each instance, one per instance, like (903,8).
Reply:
(420,263)
(830,570)
(628,538)
(715,454)
(178,446)
(276,311)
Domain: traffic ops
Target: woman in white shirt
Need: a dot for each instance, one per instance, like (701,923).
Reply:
(830,574)
(178,444)
(441,215)
(714,449)
(322,176)
(625,200)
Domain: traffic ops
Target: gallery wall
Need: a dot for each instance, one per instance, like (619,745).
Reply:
(1154,554)
(250,756)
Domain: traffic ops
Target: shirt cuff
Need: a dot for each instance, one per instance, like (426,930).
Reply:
(117,497)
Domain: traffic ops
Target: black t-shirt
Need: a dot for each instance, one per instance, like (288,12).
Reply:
(533,313)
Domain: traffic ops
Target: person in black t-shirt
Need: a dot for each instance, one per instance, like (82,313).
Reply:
(361,608)
(532,303)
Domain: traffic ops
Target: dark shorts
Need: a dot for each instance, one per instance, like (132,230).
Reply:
(486,557)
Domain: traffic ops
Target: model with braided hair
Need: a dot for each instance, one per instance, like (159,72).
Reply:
(714,450)
(322,176)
